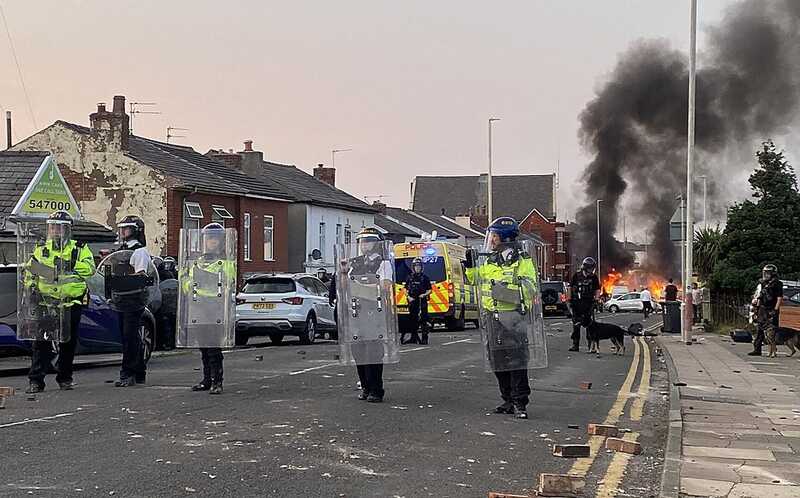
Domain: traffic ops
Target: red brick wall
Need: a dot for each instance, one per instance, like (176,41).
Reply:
(83,188)
(546,229)
(237,206)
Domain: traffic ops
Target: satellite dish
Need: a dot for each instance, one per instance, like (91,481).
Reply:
(316,255)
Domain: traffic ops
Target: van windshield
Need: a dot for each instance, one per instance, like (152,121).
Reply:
(433,267)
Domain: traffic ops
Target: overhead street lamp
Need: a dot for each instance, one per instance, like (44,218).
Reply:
(489,183)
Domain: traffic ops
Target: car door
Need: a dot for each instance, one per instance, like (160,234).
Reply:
(634,302)
(311,293)
(325,310)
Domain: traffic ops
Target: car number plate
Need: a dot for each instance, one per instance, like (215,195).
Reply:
(263,306)
(549,307)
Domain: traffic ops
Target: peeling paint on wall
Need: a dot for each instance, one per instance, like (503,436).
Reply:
(121,184)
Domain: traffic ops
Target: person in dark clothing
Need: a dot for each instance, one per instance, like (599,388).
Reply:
(418,288)
(369,350)
(671,292)
(768,306)
(584,292)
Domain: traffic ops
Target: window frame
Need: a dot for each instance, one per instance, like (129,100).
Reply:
(271,230)
(560,241)
(322,239)
(246,240)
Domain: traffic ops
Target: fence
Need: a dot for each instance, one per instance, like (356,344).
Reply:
(730,308)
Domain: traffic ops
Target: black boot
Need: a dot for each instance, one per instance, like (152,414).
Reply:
(506,408)
(34,387)
(216,388)
(203,385)
(363,395)
(574,347)
(757,352)
(126,382)
(521,411)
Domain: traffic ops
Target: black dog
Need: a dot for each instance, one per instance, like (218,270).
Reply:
(596,332)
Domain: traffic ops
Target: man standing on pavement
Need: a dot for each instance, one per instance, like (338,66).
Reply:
(584,292)
(367,316)
(132,274)
(418,288)
(647,302)
(697,303)
(671,292)
(768,305)
(55,278)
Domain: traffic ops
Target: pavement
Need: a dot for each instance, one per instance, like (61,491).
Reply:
(738,419)
(289,424)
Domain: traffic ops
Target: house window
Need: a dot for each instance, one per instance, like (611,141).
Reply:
(559,241)
(338,233)
(322,238)
(220,214)
(192,216)
(348,234)
(269,230)
(246,224)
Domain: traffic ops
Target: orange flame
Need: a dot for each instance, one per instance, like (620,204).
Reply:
(610,281)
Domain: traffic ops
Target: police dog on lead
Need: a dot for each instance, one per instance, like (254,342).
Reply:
(596,332)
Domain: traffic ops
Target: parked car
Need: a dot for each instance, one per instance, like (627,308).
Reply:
(627,302)
(99,330)
(554,298)
(280,304)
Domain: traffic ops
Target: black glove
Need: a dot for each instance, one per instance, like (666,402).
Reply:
(470,262)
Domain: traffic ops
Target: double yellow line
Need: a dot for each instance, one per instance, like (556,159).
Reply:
(616,470)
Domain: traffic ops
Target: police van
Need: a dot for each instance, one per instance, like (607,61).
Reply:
(453,301)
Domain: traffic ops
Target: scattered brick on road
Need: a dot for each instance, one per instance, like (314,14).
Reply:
(571,450)
(560,485)
(603,430)
(623,446)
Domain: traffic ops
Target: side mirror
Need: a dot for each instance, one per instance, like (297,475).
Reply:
(316,254)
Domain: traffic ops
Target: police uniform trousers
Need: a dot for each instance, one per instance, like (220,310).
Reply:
(509,361)
(514,387)
(42,351)
(212,365)
(581,316)
(369,374)
(418,316)
(133,365)
(767,323)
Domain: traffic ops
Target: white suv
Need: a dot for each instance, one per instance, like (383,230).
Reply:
(628,302)
(281,304)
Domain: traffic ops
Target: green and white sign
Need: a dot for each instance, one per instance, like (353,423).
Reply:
(46,193)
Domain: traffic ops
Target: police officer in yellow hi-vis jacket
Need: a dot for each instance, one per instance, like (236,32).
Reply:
(74,263)
(508,282)
(207,284)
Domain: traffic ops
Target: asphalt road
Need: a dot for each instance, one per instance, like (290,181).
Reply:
(290,425)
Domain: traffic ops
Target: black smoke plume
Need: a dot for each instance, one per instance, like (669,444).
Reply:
(636,126)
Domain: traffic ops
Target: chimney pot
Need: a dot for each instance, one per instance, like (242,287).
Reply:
(119,104)
(248,146)
(101,107)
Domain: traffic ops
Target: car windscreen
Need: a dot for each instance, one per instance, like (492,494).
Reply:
(272,285)
(8,292)
(433,267)
(556,286)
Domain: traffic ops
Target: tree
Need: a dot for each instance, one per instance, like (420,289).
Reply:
(766,230)
(707,242)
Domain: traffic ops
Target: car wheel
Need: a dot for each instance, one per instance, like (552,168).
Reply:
(148,335)
(613,308)
(310,332)
(276,339)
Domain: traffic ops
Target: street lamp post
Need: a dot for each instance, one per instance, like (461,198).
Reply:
(489,182)
(687,277)
(333,155)
(598,235)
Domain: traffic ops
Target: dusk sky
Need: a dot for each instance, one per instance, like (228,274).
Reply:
(407,85)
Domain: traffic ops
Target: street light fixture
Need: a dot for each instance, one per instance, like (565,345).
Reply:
(489,183)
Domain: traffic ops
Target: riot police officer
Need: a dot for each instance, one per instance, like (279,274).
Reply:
(584,292)
(367,318)
(206,284)
(418,288)
(768,305)
(72,263)
(129,296)
(508,282)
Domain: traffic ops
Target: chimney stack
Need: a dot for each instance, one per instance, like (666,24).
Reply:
(9,143)
(327,175)
(381,207)
(248,146)
(113,128)
(252,162)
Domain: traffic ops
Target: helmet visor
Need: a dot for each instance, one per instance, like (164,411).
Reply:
(59,231)
(492,242)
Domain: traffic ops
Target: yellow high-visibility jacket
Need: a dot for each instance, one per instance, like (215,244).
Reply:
(67,285)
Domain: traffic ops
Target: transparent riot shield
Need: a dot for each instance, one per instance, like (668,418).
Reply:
(42,273)
(206,289)
(365,303)
(512,327)
(123,287)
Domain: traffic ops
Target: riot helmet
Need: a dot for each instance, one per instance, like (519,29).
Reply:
(589,265)
(769,272)
(502,231)
(213,240)
(416,265)
(132,228)
(59,227)
(369,240)
(169,264)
